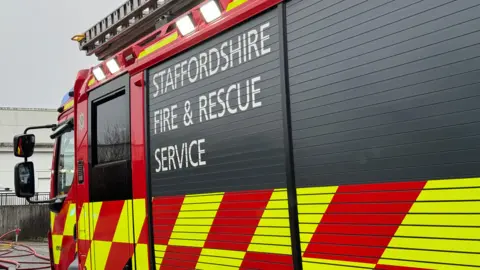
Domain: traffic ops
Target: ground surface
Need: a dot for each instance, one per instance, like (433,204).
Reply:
(27,261)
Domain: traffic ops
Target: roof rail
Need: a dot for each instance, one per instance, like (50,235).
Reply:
(128,23)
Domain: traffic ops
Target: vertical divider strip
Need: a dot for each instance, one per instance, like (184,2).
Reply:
(147,176)
(287,127)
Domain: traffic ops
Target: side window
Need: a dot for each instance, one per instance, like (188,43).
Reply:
(110,158)
(112,134)
(65,163)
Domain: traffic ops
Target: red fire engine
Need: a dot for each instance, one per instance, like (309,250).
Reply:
(269,134)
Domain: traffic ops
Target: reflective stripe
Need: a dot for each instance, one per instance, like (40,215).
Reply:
(101,251)
(159,254)
(220,259)
(92,81)
(270,235)
(123,232)
(70,221)
(235,4)
(158,45)
(312,204)
(140,257)
(314,264)
(139,214)
(192,226)
(444,209)
(56,247)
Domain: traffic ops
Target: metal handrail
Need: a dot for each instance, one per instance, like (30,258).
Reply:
(133,20)
(10,199)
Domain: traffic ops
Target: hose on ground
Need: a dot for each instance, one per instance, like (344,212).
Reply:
(10,250)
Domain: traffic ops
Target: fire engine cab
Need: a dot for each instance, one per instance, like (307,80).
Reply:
(269,134)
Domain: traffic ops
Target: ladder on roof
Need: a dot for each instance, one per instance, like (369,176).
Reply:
(131,21)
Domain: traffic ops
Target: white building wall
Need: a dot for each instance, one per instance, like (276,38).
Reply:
(14,121)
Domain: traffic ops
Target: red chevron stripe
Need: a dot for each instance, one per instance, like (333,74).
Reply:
(143,237)
(165,212)
(108,220)
(60,219)
(180,258)
(119,255)
(68,251)
(236,220)
(266,261)
(363,206)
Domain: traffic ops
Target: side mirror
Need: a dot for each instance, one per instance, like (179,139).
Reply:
(23,145)
(24,180)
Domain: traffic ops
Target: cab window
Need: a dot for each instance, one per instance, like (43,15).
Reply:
(65,163)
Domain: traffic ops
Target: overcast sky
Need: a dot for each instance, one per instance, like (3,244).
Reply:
(39,62)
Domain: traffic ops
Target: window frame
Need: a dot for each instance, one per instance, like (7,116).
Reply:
(57,149)
(117,175)
(94,132)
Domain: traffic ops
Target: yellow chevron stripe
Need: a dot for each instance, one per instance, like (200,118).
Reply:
(440,232)
(193,223)
(124,230)
(273,234)
(442,208)
(52,220)
(453,183)
(159,254)
(140,257)
(83,228)
(426,265)
(235,4)
(158,45)
(315,264)
(101,249)
(92,81)
(94,213)
(70,220)
(91,213)
(312,204)
(56,247)
(220,259)
(139,214)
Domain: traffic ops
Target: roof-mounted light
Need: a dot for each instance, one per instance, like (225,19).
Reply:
(210,11)
(78,37)
(185,25)
(98,73)
(113,66)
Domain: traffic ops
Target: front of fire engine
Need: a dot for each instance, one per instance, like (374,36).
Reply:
(62,235)
(62,232)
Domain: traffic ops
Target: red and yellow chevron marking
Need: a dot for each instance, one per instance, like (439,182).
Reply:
(62,228)
(115,231)
(231,230)
(412,225)
(441,230)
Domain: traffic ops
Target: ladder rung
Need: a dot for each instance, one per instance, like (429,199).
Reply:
(128,23)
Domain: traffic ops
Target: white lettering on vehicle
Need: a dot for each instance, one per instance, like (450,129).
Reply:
(236,98)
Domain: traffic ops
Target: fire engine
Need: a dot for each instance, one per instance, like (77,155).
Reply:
(269,134)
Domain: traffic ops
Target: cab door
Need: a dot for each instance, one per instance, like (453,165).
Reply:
(63,223)
(110,177)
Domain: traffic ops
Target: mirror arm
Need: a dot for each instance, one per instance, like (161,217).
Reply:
(53,126)
(39,202)
(61,198)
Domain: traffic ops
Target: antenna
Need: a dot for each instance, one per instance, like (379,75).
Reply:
(130,22)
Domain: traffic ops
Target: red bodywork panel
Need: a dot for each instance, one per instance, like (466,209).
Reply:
(137,103)
(79,193)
